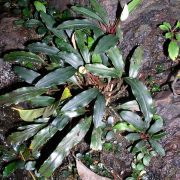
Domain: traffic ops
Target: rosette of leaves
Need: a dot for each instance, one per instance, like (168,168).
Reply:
(81,72)
(172,34)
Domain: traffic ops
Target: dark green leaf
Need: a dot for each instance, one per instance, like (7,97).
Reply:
(99,110)
(42,101)
(158,136)
(105,43)
(157,126)
(80,39)
(41,138)
(47,19)
(26,133)
(81,100)
(11,167)
(57,77)
(73,59)
(96,139)
(173,50)
(77,24)
(87,12)
(101,70)
(26,74)
(133,136)
(64,46)
(143,97)
(43,48)
(157,147)
(23,57)
(116,58)
(136,62)
(21,95)
(132,118)
(31,23)
(100,10)
(61,121)
(64,147)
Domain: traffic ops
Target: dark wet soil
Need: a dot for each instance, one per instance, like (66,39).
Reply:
(140,29)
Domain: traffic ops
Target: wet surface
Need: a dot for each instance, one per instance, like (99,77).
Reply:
(140,29)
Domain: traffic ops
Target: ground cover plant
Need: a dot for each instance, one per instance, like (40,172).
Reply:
(73,76)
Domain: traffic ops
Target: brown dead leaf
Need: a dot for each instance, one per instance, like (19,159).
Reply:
(87,174)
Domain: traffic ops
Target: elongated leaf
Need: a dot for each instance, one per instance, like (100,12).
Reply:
(133,118)
(39,6)
(136,62)
(96,139)
(105,43)
(64,147)
(12,166)
(57,77)
(100,10)
(43,48)
(143,97)
(116,58)
(80,39)
(123,126)
(76,113)
(87,12)
(30,114)
(63,45)
(23,57)
(21,95)
(33,23)
(71,58)
(60,121)
(26,74)
(41,138)
(101,70)
(42,101)
(77,24)
(133,4)
(47,19)
(173,50)
(157,126)
(99,108)
(157,147)
(28,132)
(81,100)
(133,136)
(130,105)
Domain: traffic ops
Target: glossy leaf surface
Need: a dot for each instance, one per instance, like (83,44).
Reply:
(57,77)
(136,62)
(26,74)
(43,48)
(99,110)
(133,118)
(116,58)
(64,147)
(23,57)
(143,97)
(105,43)
(21,95)
(101,70)
(81,100)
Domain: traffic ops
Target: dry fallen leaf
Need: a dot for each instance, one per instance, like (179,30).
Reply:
(87,174)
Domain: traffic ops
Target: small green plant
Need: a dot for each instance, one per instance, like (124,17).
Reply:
(173,35)
(73,75)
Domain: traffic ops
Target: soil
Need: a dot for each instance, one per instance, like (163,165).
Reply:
(140,29)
